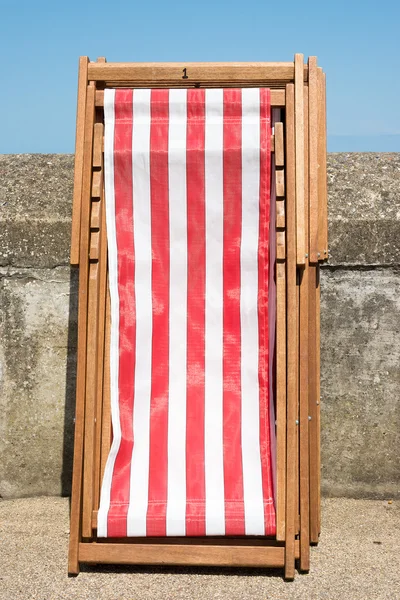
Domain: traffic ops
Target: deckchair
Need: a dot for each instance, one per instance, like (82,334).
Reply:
(295,125)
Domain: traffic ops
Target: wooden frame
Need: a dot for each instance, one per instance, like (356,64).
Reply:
(299,145)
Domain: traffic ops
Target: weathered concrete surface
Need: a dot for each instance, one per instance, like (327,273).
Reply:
(360,326)
(360,383)
(357,559)
(364,209)
(37,358)
(35,209)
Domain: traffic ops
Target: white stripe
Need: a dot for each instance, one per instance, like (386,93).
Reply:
(251,457)
(109,120)
(176,485)
(213,409)
(139,482)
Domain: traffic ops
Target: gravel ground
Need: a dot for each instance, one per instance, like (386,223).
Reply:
(357,558)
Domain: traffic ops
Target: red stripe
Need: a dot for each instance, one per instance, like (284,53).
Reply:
(120,484)
(195,164)
(158,467)
(232,170)
(263,274)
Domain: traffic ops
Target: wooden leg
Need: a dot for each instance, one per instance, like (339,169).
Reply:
(318,379)
(313,405)
(76,496)
(304,488)
(100,354)
(79,154)
(95,337)
(291,339)
(303,425)
(281,398)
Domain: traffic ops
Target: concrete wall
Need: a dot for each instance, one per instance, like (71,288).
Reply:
(360,323)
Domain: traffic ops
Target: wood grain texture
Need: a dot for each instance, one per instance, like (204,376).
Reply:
(304,487)
(313,401)
(79,150)
(106,432)
(280,245)
(95,215)
(280,397)
(197,72)
(94,248)
(100,353)
(98,144)
(279,146)
(280,182)
(324,170)
(318,393)
(280,214)
(291,332)
(97,184)
(314,254)
(184,554)
(91,399)
(76,495)
(322,184)
(297,457)
(299,145)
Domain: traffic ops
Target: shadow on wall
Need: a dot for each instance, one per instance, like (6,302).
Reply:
(70,385)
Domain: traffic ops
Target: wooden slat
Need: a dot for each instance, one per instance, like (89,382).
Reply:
(322,185)
(280,398)
(79,152)
(299,145)
(280,245)
(90,407)
(303,376)
(279,147)
(197,72)
(76,496)
(271,84)
(313,158)
(97,184)
(106,420)
(100,352)
(279,175)
(95,215)
(299,154)
(93,402)
(184,554)
(280,214)
(291,334)
(277,96)
(98,144)
(313,400)
(324,170)
(94,249)
(297,458)
(318,392)
(280,183)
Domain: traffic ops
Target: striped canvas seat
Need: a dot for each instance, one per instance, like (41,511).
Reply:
(187,181)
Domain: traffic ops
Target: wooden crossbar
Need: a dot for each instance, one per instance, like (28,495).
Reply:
(299,146)
(198,72)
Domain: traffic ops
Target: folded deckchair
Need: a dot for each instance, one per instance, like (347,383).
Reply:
(199,222)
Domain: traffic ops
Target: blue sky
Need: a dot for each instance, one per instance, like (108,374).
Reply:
(357,44)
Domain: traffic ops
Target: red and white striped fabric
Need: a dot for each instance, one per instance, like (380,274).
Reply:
(187,178)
